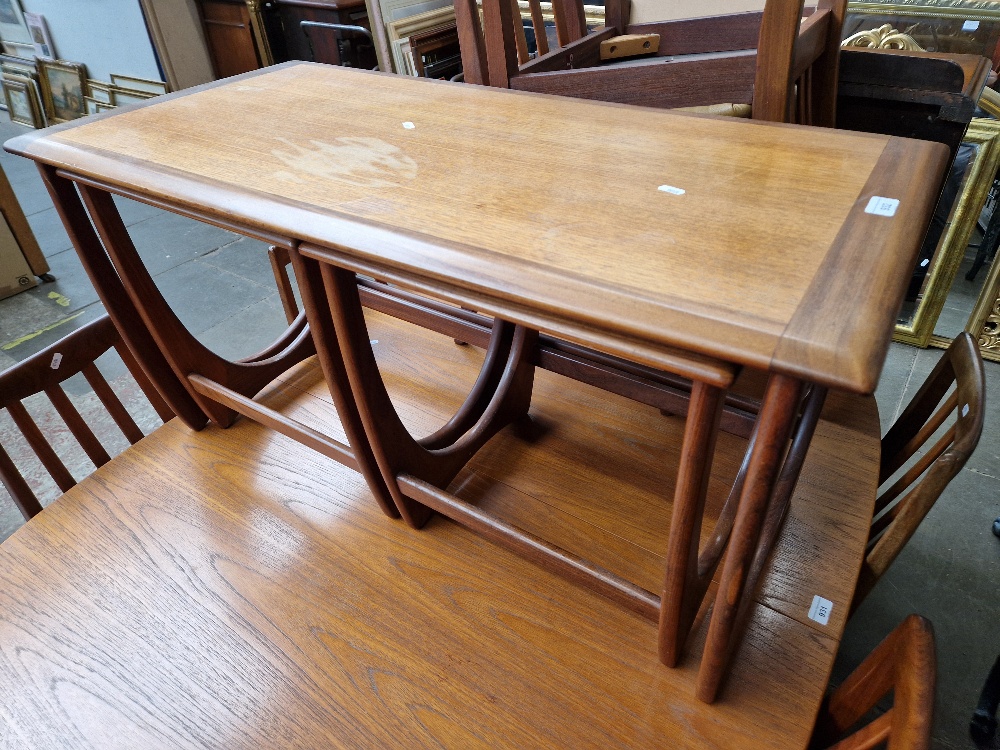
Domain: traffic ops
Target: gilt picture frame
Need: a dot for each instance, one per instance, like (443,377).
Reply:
(23,105)
(64,85)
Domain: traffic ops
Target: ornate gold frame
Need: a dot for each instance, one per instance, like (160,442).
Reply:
(967,10)
(62,66)
(29,86)
(962,221)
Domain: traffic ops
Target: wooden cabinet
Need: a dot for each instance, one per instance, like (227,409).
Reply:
(234,31)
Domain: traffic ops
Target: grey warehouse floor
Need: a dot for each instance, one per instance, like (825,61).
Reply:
(217,281)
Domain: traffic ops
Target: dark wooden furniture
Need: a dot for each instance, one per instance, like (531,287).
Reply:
(323,45)
(802,281)
(904,664)
(700,61)
(952,399)
(925,95)
(234,31)
(44,372)
(232,588)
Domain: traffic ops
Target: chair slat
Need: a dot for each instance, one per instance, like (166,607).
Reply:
(52,463)
(11,478)
(916,470)
(112,403)
(924,433)
(84,435)
(538,23)
(519,37)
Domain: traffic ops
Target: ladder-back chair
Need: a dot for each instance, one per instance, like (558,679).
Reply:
(904,664)
(784,67)
(954,391)
(45,372)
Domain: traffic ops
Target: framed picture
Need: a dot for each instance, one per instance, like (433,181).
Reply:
(63,88)
(18,65)
(124,97)
(105,107)
(399,35)
(91,105)
(12,25)
(976,163)
(99,90)
(21,95)
(954,26)
(39,31)
(139,84)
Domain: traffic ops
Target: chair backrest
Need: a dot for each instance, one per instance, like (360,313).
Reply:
(903,663)
(949,409)
(793,72)
(45,372)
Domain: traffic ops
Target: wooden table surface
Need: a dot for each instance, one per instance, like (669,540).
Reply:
(233,589)
(633,231)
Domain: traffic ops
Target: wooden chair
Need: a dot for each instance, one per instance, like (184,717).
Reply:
(903,663)
(786,69)
(45,372)
(903,503)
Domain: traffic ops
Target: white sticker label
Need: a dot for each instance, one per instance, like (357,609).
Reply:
(925,262)
(965,410)
(970,25)
(882,206)
(56,361)
(820,610)
(671,189)
(374,341)
(409,125)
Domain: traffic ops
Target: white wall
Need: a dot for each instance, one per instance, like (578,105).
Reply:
(108,36)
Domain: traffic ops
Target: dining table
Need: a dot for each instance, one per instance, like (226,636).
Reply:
(664,257)
(233,588)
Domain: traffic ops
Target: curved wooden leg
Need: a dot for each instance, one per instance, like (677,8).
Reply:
(307,271)
(117,301)
(182,351)
(501,394)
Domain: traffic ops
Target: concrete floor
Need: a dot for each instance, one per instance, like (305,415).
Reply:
(216,281)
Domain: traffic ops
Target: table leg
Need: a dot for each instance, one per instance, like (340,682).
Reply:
(185,354)
(779,411)
(501,394)
(683,587)
(116,300)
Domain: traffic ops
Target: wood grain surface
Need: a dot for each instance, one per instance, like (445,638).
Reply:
(589,248)
(231,588)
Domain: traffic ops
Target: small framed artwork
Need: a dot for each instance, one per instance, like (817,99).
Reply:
(18,65)
(139,84)
(21,95)
(105,107)
(91,105)
(39,31)
(124,97)
(99,90)
(63,85)
(12,24)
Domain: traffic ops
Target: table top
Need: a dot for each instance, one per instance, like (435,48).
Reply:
(231,588)
(627,229)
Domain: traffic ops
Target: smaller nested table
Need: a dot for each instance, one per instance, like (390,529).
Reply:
(609,243)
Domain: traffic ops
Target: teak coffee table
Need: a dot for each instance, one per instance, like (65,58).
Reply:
(634,249)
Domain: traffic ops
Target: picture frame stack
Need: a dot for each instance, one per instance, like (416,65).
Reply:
(120,91)
(22,92)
